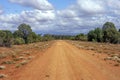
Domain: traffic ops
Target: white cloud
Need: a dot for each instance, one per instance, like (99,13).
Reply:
(91,6)
(114,4)
(67,13)
(40,18)
(38,15)
(77,18)
(37,4)
(88,14)
(36,18)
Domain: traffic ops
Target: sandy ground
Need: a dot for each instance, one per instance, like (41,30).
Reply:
(63,61)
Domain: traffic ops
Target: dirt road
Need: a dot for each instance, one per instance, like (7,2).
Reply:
(64,61)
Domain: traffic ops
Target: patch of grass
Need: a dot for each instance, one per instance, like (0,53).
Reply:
(30,57)
(2,67)
(8,62)
(118,61)
(3,55)
(99,51)
(21,63)
(16,59)
(113,55)
(18,65)
(14,55)
(24,62)
(7,53)
(21,58)
(27,53)
(104,47)
(3,76)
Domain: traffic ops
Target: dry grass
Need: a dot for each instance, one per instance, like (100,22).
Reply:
(112,50)
(2,67)
(19,55)
(22,63)
(3,76)
(3,55)
(99,47)
(8,62)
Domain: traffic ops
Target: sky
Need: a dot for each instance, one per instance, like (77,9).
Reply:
(59,16)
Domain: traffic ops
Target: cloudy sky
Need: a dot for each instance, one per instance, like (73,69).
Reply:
(59,16)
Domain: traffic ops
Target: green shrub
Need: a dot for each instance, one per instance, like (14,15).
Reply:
(19,41)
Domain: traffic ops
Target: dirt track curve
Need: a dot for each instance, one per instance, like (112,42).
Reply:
(63,61)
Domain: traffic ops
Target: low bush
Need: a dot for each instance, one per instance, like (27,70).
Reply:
(19,41)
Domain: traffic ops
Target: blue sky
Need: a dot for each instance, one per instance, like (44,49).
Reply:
(59,16)
(15,8)
(61,4)
(9,7)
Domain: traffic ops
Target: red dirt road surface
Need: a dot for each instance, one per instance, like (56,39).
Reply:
(63,61)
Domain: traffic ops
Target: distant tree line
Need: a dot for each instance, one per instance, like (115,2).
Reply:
(25,35)
(108,34)
(62,37)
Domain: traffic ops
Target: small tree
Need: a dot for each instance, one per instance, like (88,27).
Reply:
(99,34)
(32,38)
(2,37)
(25,31)
(95,35)
(81,37)
(19,41)
(92,36)
(108,25)
(7,41)
(17,34)
(110,32)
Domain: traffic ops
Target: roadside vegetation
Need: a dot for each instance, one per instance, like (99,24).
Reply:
(25,35)
(18,56)
(104,40)
(109,52)
(107,34)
